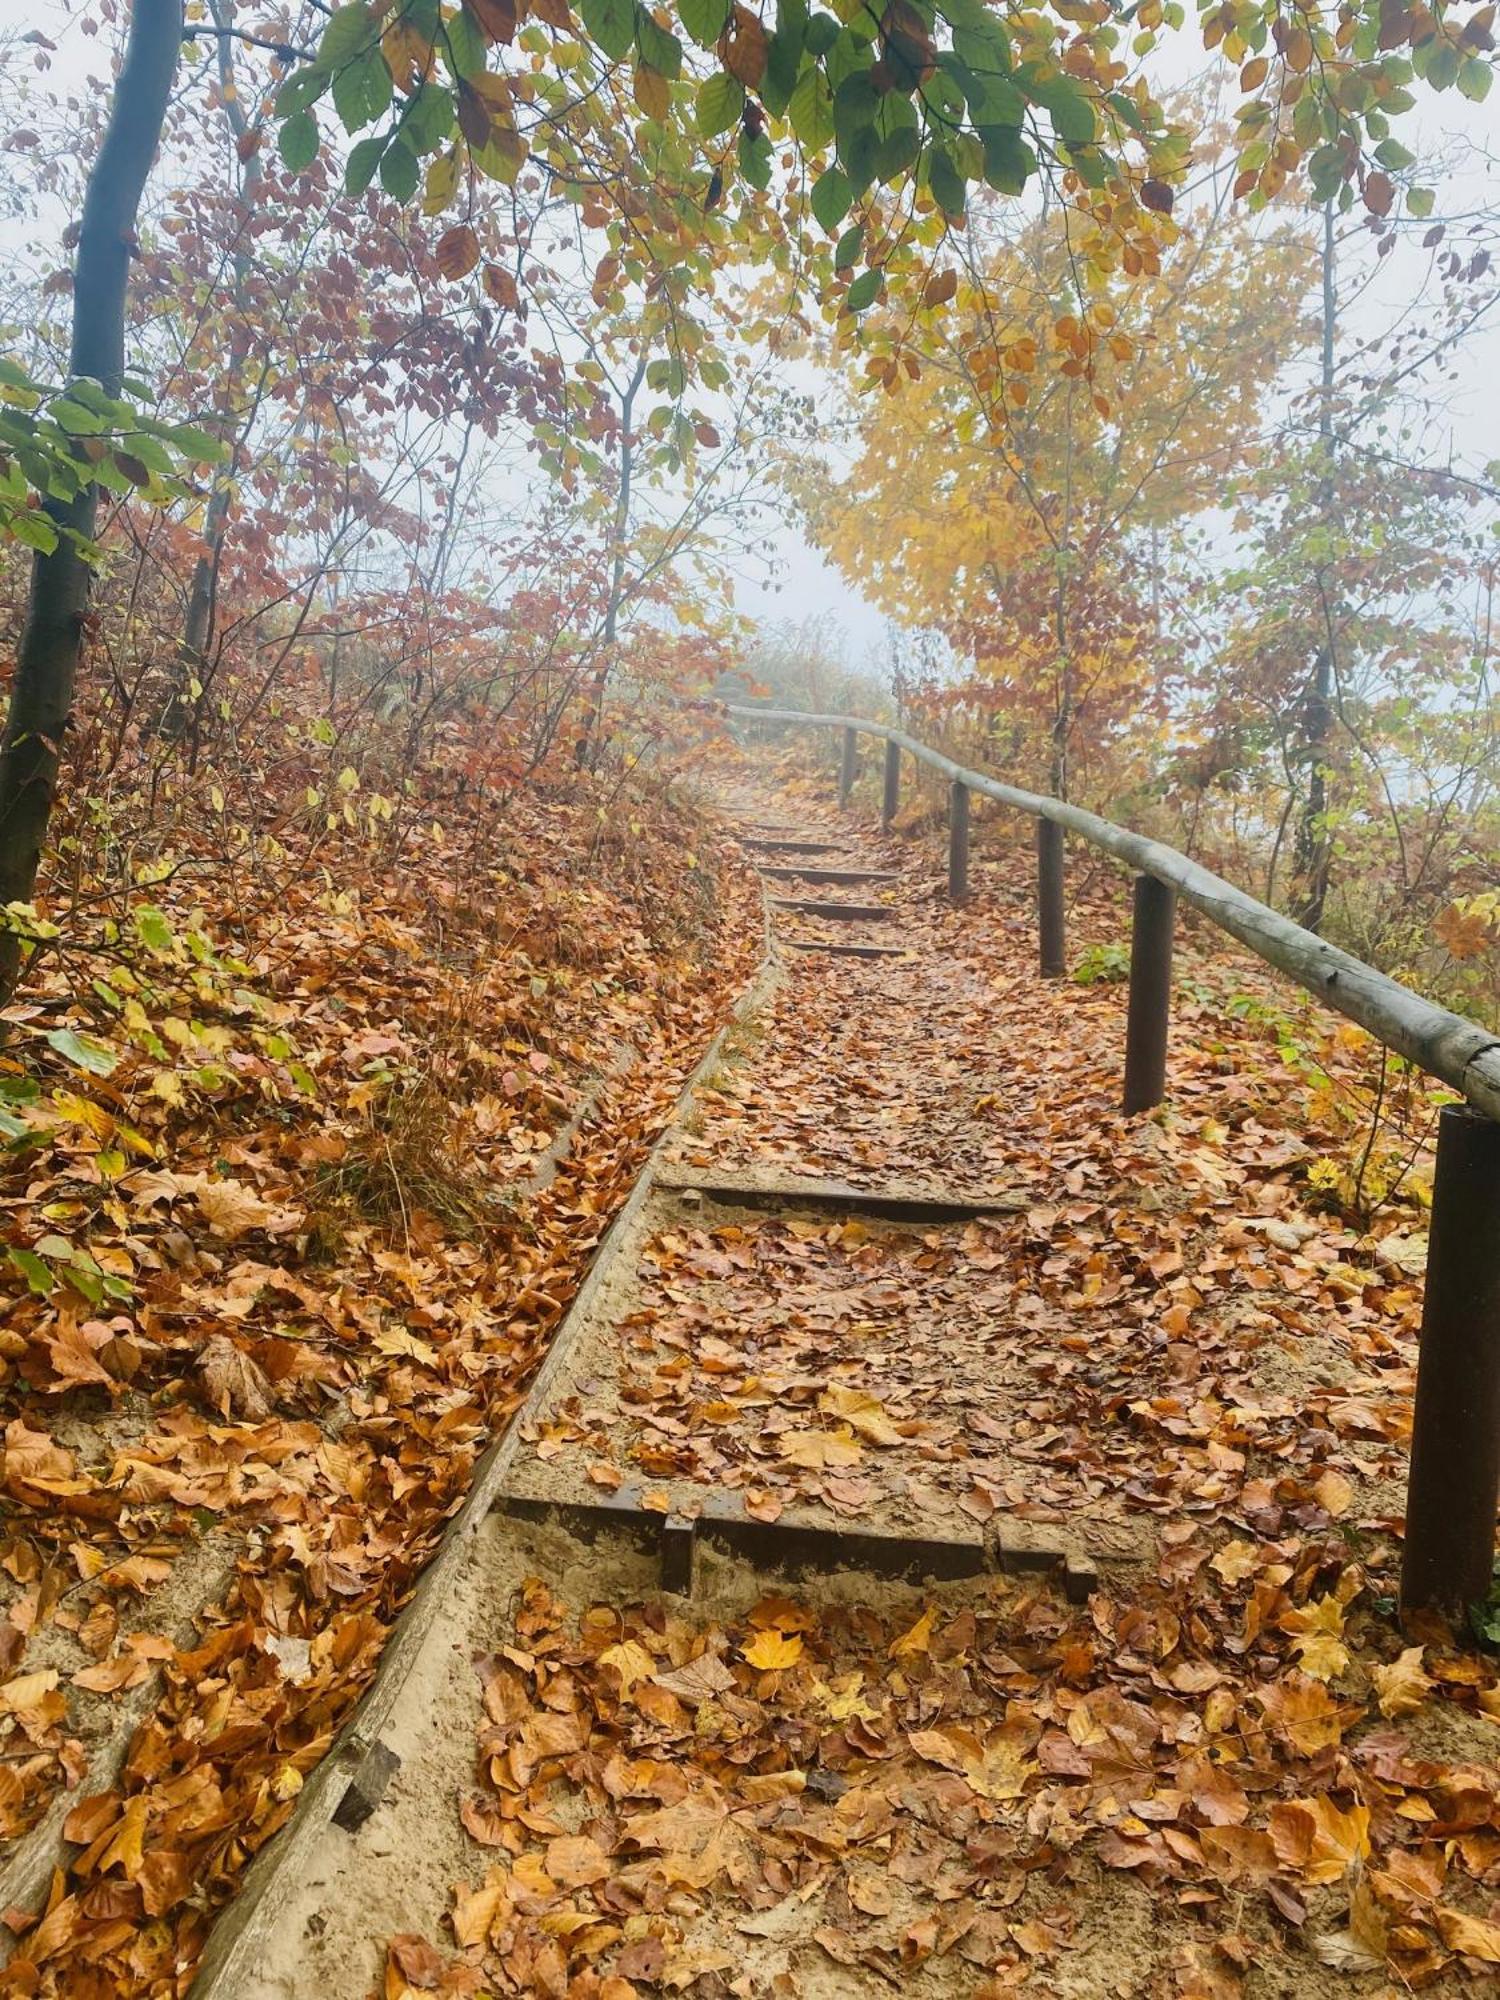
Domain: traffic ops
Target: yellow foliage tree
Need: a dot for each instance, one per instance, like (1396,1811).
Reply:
(1019,482)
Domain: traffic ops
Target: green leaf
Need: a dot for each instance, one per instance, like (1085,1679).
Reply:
(705,20)
(198,445)
(363,160)
(945,181)
(832,197)
(720,101)
(399,171)
(1474,79)
(822,32)
(1071,112)
(34,1271)
(82,1051)
(784,56)
(297,141)
(992,99)
(755,159)
(811,110)
(980,43)
(1392,154)
(152,928)
(847,249)
(896,153)
(361,90)
(657,49)
(76,418)
(429,119)
(1419,202)
(1442,61)
(32,529)
(463,45)
(301,90)
(865,290)
(350,30)
(1008,161)
(856,104)
(610,25)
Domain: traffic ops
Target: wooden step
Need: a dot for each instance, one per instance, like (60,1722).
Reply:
(776,1190)
(844,913)
(838,876)
(779,846)
(847,950)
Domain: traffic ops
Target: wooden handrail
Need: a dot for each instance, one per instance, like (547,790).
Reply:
(1457,1051)
(1454,1485)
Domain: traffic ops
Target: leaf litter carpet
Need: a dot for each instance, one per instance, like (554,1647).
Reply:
(1146,1344)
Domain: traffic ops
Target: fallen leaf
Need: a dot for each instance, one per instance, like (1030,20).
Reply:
(1403,1686)
(771,1651)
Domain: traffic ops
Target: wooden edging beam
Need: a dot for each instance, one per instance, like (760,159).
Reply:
(339,1788)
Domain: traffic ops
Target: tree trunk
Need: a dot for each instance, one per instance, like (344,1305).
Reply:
(1313,851)
(179,713)
(588,743)
(52,640)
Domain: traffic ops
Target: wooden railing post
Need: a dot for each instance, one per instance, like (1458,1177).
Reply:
(846,767)
(1150,994)
(1051,925)
(1454,1484)
(958,842)
(892,796)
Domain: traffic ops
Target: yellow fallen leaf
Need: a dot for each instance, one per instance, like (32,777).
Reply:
(772,1651)
(862,1412)
(1318,1839)
(1235,1561)
(1475,1937)
(630,1661)
(818,1451)
(1362,1945)
(286,1783)
(26,1690)
(918,1639)
(1335,1493)
(125,1842)
(474,1911)
(1403,1686)
(845,1699)
(1316,1637)
(230,1209)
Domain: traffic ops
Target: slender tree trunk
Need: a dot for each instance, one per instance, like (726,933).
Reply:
(588,743)
(1314,849)
(179,713)
(1062,712)
(52,640)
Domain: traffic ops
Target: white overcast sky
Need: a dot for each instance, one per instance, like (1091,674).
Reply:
(803,585)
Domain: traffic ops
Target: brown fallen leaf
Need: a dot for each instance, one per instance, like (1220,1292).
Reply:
(236,1384)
